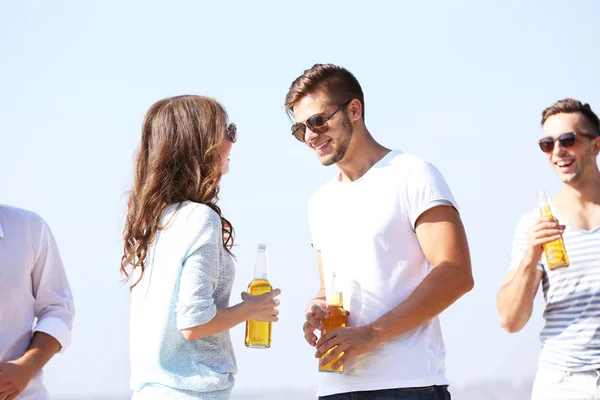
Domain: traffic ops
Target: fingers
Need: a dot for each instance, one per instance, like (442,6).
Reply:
(309,334)
(318,309)
(265,296)
(265,299)
(548,226)
(545,231)
(272,294)
(314,320)
(326,342)
(268,299)
(546,235)
(324,347)
(332,355)
(341,361)
(546,219)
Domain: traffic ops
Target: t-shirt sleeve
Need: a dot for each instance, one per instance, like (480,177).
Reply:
(426,188)
(195,302)
(519,244)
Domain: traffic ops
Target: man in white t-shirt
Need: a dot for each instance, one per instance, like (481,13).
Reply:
(388,229)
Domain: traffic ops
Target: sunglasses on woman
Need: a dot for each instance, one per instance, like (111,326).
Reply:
(317,124)
(231,132)
(566,140)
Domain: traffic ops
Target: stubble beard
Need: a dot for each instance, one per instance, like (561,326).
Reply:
(342,146)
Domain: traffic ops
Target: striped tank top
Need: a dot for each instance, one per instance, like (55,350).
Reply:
(571,334)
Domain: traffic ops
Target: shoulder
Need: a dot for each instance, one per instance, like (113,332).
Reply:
(418,167)
(191,214)
(21,217)
(410,166)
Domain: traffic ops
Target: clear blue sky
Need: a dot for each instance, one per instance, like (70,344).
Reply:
(460,85)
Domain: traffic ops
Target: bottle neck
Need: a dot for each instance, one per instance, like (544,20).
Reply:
(261,268)
(542,199)
(336,299)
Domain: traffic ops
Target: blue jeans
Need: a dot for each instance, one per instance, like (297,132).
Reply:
(418,393)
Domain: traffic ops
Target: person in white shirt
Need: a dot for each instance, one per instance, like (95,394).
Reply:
(569,360)
(388,228)
(36,304)
(178,251)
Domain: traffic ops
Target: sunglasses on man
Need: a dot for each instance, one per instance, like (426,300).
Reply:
(317,124)
(231,132)
(566,140)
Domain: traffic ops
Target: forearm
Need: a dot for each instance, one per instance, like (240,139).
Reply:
(442,287)
(224,320)
(515,298)
(40,351)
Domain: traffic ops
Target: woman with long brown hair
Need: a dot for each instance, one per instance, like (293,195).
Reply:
(178,255)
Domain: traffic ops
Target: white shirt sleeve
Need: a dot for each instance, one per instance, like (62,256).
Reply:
(54,307)
(426,188)
(195,304)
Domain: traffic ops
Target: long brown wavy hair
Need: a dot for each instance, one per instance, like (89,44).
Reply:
(178,160)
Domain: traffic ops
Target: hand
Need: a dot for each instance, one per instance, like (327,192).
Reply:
(545,230)
(351,341)
(262,307)
(14,378)
(314,318)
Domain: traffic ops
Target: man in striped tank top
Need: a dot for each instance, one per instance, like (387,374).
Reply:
(569,362)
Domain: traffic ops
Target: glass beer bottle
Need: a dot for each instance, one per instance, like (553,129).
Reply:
(337,319)
(556,254)
(258,334)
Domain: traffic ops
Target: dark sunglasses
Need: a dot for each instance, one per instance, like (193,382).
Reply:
(316,123)
(566,140)
(231,132)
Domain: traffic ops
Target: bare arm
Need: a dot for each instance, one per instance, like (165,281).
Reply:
(442,237)
(15,375)
(444,243)
(225,319)
(516,296)
(41,349)
(258,308)
(315,309)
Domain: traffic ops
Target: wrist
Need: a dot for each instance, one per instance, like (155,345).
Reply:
(376,333)
(26,366)
(241,311)
(529,263)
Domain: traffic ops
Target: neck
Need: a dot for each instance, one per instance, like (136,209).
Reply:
(583,193)
(362,153)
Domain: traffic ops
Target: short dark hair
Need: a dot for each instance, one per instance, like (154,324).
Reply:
(337,82)
(569,106)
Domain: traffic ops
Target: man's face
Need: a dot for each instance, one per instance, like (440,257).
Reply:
(330,146)
(571,163)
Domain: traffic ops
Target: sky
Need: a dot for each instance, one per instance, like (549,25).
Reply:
(461,85)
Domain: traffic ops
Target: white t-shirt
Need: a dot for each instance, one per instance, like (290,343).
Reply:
(365,233)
